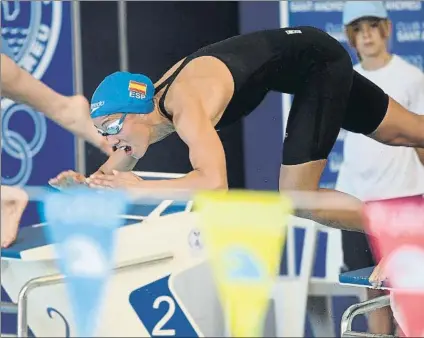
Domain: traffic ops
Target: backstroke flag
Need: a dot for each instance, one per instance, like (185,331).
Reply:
(244,236)
(82,223)
(397,229)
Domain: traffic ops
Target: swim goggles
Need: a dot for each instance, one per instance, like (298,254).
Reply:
(113,128)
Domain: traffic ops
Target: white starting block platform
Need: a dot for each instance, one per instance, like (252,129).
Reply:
(157,288)
(360,279)
(141,293)
(162,285)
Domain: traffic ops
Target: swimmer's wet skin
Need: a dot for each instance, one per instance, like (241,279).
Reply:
(223,82)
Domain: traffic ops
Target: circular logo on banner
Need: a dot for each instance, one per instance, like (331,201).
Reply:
(31,29)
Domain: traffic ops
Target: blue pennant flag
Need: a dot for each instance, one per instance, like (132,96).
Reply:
(82,223)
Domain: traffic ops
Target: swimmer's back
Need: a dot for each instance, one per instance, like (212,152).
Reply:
(259,62)
(254,56)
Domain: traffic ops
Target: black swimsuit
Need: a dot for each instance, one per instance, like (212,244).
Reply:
(303,61)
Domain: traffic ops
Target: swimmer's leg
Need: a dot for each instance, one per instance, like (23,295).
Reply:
(373,113)
(314,123)
(400,127)
(306,177)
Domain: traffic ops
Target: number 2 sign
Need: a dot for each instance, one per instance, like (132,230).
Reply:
(159,311)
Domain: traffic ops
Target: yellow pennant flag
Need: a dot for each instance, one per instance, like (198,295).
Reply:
(244,235)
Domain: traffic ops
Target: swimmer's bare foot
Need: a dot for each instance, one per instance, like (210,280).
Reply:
(378,276)
(74,115)
(13,203)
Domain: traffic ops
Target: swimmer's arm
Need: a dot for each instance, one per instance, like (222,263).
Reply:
(206,151)
(119,161)
(20,86)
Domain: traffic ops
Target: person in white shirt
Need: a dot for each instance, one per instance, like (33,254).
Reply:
(371,170)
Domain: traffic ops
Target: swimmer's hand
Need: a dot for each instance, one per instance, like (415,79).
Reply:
(68,179)
(378,276)
(116,180)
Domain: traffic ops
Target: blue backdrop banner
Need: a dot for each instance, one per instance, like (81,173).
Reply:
(35,149)
(38,36)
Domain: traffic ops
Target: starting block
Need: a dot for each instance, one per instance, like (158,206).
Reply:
(162,285)
(395,227)
(158,286)
(143,291)
(360,279)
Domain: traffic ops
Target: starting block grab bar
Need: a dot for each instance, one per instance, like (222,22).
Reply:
(360,278)
(21,308)
(361,309)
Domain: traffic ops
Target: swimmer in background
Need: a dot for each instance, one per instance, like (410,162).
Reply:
(72,113)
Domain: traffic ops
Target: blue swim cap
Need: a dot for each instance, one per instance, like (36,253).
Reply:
(123,92)
(354,10)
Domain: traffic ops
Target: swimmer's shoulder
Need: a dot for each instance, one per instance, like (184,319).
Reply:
(204,80)
(204,74)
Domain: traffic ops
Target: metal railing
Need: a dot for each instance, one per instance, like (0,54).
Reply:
(361,309)
(21,308)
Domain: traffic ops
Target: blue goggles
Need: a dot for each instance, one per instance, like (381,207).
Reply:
(114,127)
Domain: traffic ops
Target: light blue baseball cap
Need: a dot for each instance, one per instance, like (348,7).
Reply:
(354,10)
(123,92)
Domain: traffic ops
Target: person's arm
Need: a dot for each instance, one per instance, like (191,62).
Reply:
(417,106)
(120,161)
(206,151)
(72,113)
(20,86)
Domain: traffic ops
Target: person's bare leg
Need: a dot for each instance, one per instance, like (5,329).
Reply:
(13,203)
(306,177)
(379,321)
(400,127)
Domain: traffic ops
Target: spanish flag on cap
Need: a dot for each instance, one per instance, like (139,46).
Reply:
(138,87)
(116,94)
